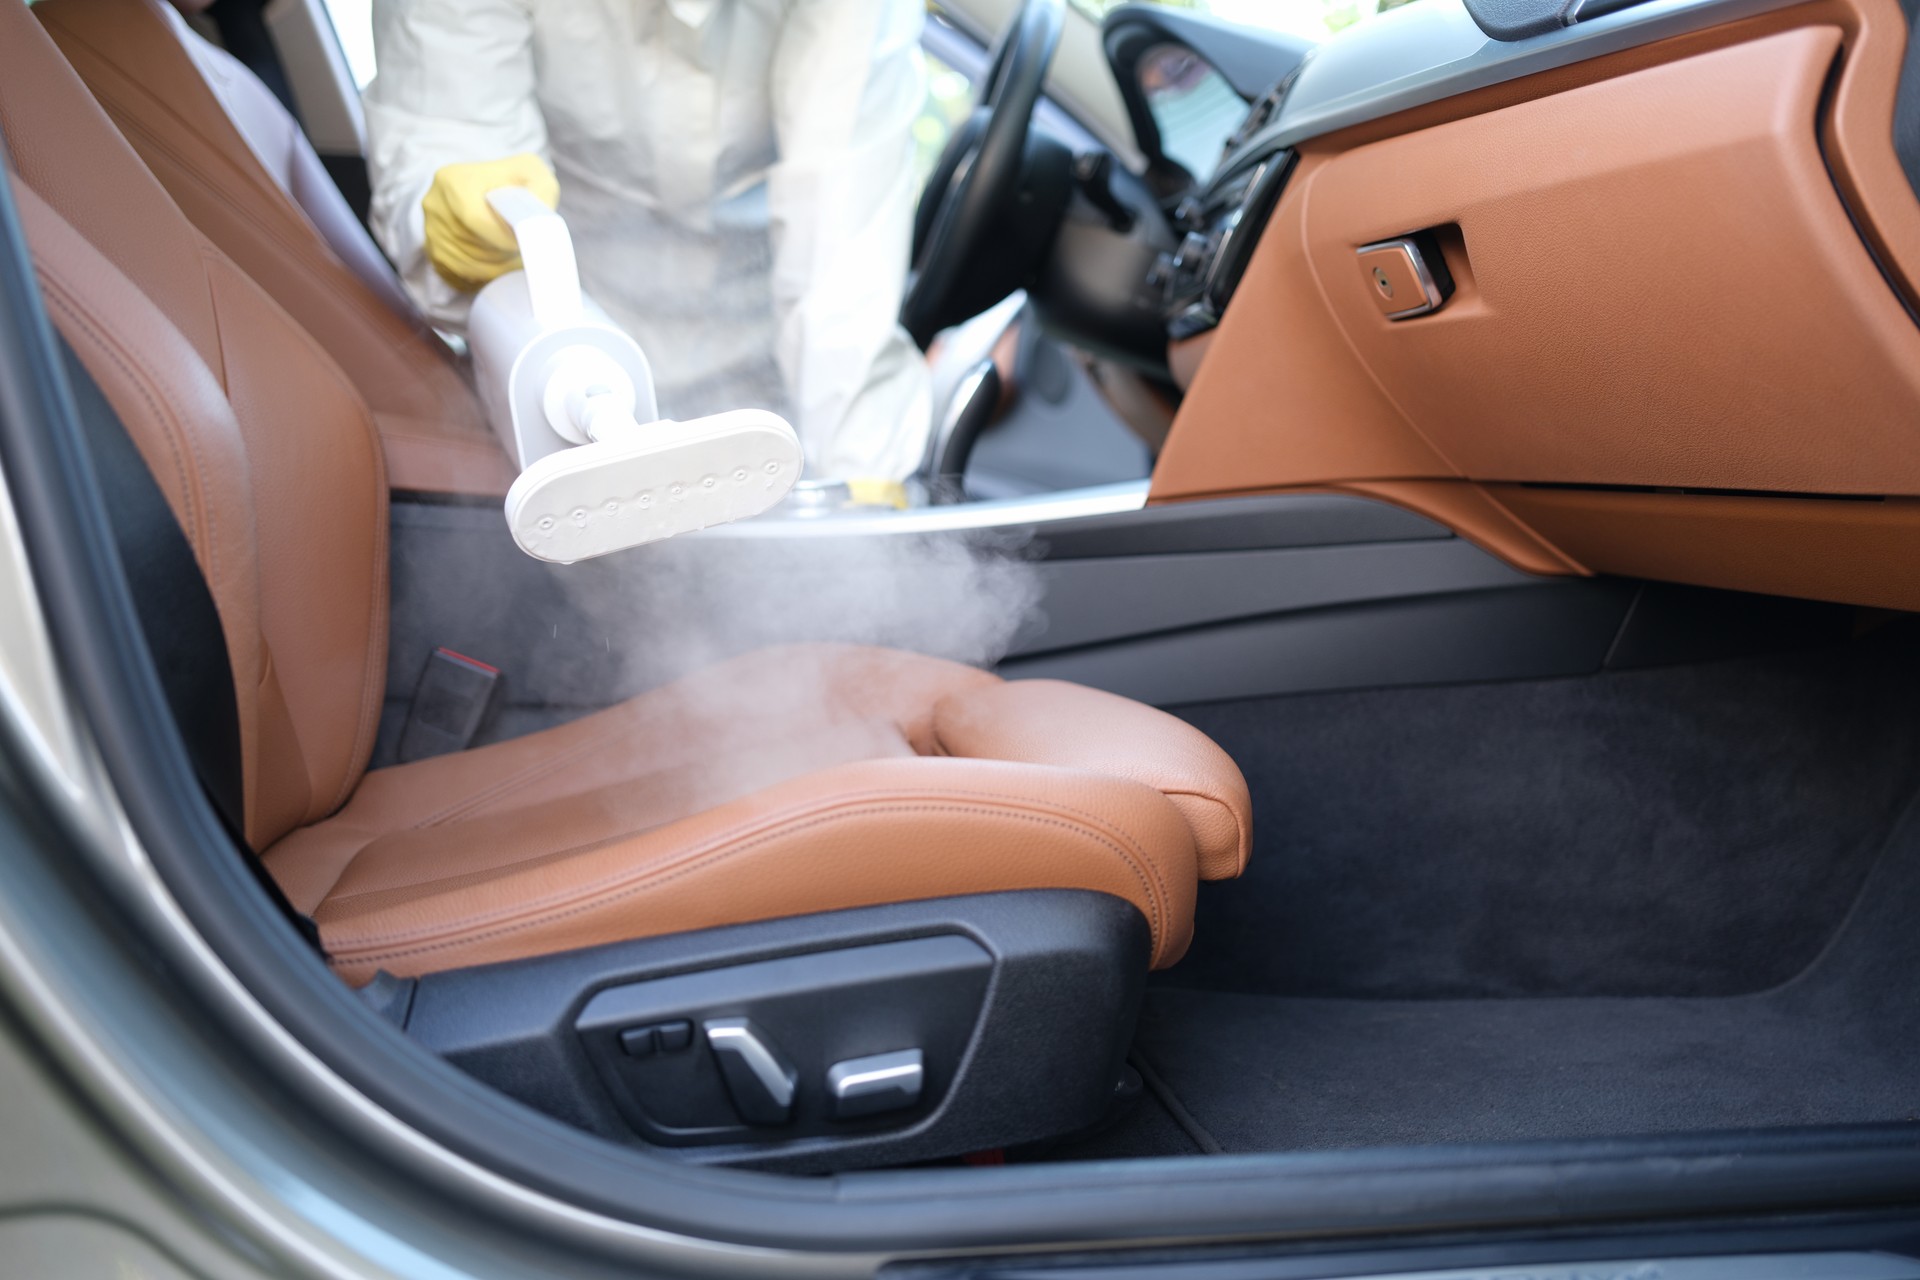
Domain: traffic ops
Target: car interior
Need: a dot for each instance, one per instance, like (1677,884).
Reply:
(1407,643)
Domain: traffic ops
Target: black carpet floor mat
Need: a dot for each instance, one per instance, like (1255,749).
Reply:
(1696,830)
(1837,1044)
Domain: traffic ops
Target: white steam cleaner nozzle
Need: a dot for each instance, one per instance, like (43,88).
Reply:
(571,396)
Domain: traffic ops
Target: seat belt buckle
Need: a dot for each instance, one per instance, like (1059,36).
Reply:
(450,704)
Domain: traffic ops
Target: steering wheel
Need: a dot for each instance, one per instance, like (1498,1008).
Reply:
(978,176)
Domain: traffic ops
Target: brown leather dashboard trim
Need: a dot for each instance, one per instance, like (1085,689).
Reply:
(1282,400)
(1597,338)
(1184,357)
(1859,552)
(1470,509)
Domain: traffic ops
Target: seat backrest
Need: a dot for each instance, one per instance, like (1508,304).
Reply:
(264,450)
(277,142)
(132,56)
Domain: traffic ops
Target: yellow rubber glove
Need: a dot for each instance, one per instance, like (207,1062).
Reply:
(877,493)
(467,242)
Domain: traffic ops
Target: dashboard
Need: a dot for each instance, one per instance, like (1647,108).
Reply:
(1408,57)
(1632,290)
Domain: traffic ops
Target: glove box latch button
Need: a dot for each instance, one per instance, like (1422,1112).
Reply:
(1406,276)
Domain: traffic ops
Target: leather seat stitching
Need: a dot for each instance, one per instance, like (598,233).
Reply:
(1158,886)
(133,101)
(537,770)
(372,691)
(378,947)
(129,107)
(1152,889)
(1239,828)
(520,778)
(141,377)
(869,796)
(476,447)
(305,249)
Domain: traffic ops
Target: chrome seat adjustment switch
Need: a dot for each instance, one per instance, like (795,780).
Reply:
(758,1079)
(872,1085)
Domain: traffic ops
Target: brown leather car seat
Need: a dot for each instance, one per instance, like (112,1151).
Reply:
(776,784)
(131,56)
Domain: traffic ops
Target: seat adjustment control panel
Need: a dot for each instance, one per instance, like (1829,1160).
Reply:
(840,1043)
(888,1035)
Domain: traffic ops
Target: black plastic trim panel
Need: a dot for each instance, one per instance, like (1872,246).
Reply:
(1025,1045)
(1858,1247)
(1235,524)
(1503,634)
(1519,19)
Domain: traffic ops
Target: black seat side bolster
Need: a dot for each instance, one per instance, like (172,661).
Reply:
(178,617)
(176,609)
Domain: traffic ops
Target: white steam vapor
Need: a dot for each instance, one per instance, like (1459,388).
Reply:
(691,602)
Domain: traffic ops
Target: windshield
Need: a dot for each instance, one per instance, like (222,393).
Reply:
(1308,19)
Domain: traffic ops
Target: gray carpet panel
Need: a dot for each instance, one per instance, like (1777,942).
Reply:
(1693,830)
(1650,902)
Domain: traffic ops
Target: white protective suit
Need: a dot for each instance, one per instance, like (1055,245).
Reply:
(737,176)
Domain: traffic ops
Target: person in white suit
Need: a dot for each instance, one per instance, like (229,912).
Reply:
(737,175)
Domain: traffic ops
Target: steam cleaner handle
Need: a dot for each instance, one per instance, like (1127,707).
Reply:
(546,255)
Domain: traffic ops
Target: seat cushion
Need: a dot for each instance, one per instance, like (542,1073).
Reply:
(793,780)
(1070,725)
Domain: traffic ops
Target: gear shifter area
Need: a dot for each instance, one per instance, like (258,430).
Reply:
(571,396)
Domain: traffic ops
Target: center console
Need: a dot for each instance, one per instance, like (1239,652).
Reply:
(1218,228)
